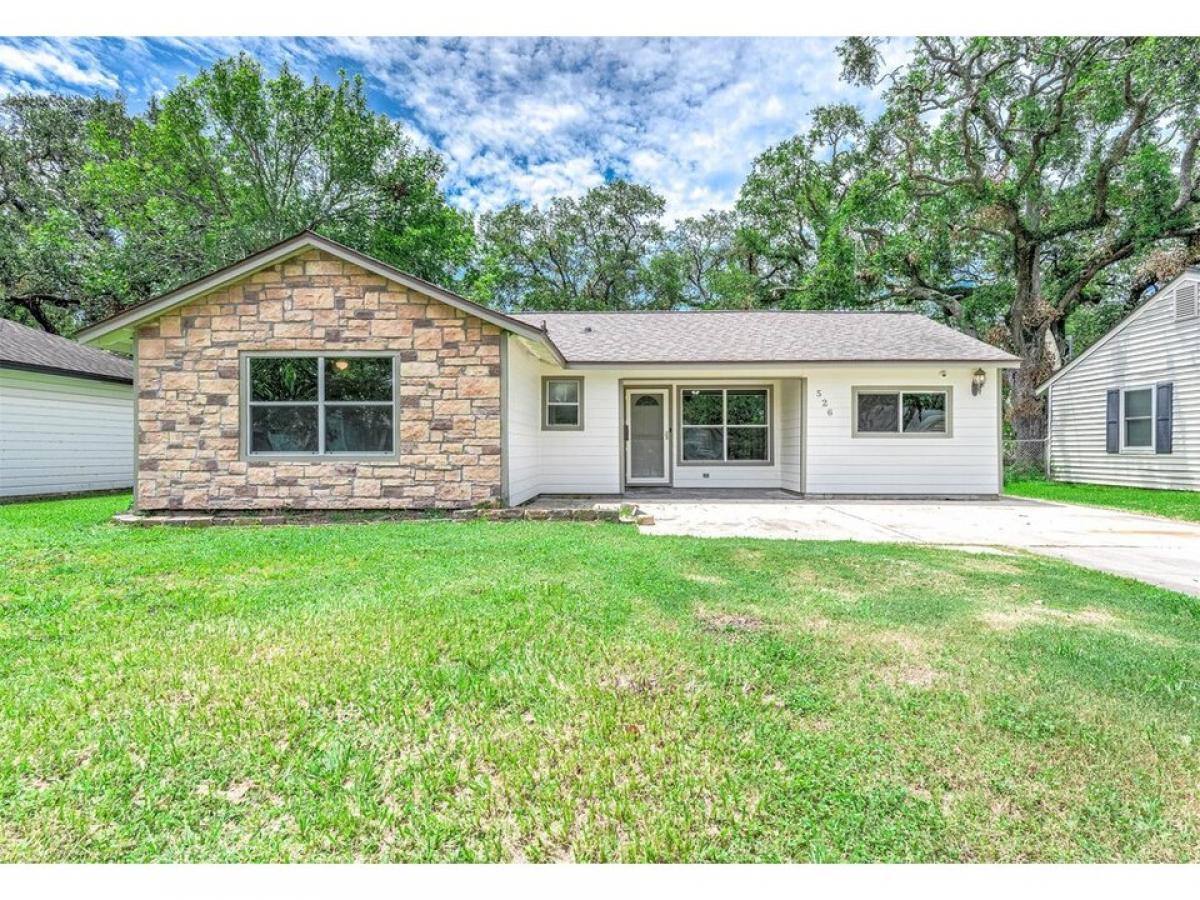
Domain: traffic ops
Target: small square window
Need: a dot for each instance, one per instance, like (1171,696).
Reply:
(562,404)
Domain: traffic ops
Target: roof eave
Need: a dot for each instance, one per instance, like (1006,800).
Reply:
(65,373)
(1011,363)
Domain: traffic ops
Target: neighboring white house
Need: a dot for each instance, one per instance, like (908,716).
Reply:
(815,403)
(66,415)
(1127,410)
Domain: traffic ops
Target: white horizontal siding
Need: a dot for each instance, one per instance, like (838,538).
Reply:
(834,462)
(965,462)
(586,461)
(522,409)
(60,434)
(1152,348)
(791,435)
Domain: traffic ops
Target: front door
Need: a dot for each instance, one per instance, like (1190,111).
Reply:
(647,437)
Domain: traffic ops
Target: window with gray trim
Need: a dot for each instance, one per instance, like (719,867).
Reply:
(1138,413)
(917,411)
(320,405)
(724,425)
(562,404)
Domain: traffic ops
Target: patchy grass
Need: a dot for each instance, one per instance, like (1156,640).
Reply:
(1170,504)
(558,691)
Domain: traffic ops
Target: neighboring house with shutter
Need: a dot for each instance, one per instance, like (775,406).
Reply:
(1127,410)
(66,415)
(312,376)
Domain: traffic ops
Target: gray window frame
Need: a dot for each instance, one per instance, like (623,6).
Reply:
(244,404)
(724,426)
(1152,418)
(546,404)
(946,389)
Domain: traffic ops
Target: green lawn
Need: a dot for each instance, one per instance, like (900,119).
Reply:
(550,691)
(1172,504)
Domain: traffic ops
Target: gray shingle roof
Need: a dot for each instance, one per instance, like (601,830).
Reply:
(22,347)
(759,336)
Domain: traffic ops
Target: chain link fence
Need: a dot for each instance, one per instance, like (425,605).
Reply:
(1025,458)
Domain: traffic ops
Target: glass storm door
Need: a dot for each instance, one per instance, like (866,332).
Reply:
(647,437)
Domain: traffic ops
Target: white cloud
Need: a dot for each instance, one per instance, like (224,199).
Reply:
(525,119)
(687,116)
(63,61)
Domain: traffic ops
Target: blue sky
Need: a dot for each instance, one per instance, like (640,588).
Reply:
(518,119)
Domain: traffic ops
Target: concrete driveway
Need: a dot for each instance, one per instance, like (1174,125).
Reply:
(1164,552)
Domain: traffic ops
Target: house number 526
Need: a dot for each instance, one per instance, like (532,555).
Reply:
(825,402)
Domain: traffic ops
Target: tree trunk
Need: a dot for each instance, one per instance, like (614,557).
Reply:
(1028,328)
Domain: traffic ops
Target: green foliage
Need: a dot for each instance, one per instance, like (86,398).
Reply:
(594,252)
(1046,161)
(232,160)
(701,262)
(797,208)
(1087,324)
(53,240)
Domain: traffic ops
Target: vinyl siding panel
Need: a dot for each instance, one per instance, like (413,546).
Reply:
(60,434)
(587,461)
(1152,348)
(791,435)
(965,462)
(522,410)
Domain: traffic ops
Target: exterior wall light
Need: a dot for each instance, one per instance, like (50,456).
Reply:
(978,380)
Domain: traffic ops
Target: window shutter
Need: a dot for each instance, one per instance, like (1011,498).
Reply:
(1112,430)
(1163,417)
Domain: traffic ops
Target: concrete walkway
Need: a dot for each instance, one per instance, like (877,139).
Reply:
(1164,552)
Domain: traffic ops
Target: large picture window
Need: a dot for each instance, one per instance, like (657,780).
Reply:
(320,405)
(901,412)
(725,425)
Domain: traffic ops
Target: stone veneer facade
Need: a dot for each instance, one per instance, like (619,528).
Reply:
(188,410)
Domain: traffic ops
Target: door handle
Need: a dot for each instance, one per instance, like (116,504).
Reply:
(626,432)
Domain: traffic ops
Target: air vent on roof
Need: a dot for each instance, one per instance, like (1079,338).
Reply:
(1185,302)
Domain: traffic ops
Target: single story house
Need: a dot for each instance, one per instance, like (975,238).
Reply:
(312,376)
(1126,411)
(66,415)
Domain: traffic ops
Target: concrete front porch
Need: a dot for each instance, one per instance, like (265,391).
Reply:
(642,495)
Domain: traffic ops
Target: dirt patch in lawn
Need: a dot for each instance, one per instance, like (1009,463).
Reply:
(728,623)
(639,685)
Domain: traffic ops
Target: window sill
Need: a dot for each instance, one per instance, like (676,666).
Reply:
(318,458)
(723,464)
(903,436)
